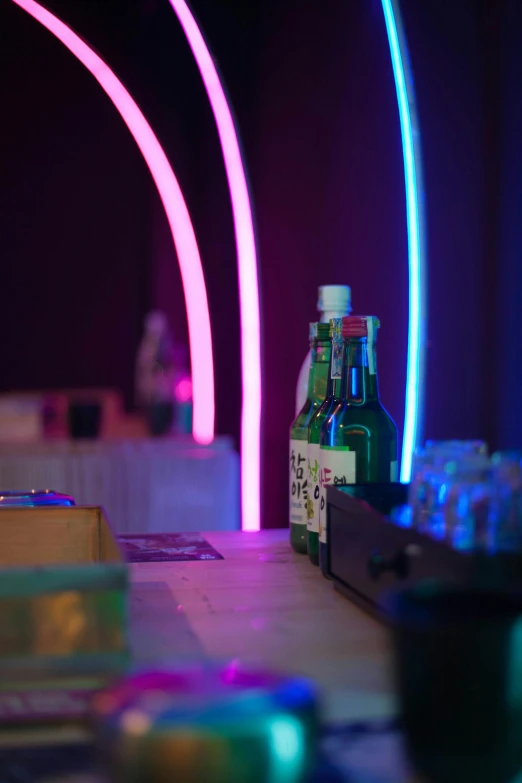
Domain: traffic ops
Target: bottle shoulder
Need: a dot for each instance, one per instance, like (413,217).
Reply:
(302,382)
(299,427)
(319,417)
(371,414)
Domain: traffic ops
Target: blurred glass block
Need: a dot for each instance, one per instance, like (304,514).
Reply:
(460,496)
(423,463)
(401,516)
(437,468)
(468,509)
(467,446)
(507,466)
(484,509)
(506,513)
(453,502)
(427,486)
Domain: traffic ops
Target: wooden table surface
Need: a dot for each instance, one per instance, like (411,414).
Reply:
(264,605)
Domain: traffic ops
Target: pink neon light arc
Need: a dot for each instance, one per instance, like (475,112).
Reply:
(247,271)
(175,208)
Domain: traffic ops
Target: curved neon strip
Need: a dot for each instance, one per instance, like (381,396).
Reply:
(247,272)
(411,150)
(177,214)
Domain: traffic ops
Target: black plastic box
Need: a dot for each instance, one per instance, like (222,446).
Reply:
(368,554)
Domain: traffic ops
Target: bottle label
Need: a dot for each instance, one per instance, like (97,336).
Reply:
(337,467)
(298,481)
(394,471)
(336,325)
(314,504)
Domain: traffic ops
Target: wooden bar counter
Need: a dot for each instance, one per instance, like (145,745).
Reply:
(264,605)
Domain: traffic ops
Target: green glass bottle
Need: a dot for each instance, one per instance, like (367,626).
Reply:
(317,383)
(358,438)
(333,394)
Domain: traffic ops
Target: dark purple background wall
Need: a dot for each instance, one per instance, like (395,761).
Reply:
(86,249)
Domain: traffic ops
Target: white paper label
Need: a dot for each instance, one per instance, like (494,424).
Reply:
(314,454)
(337,467)
(394,471)
(298,481)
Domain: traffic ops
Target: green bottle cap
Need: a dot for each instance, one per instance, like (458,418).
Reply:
(319,331)
(323,331)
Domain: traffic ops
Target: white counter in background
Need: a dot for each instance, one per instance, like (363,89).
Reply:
(145,485)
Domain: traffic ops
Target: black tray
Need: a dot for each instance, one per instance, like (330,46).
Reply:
(368,554)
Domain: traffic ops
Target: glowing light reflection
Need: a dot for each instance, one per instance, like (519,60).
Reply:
(247,271)
(288,747)
(414,405)
(175,208)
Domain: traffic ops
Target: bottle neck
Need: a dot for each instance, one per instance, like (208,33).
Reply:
(318,378)
(333,388)
(327,315)
(359,381)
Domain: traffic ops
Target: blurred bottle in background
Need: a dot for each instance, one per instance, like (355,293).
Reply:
(334,301)
(155,374)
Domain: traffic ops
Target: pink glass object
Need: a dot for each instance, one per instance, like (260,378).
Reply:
(175,208)
(247,271)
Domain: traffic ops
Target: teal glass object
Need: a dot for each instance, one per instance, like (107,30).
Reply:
(208,724)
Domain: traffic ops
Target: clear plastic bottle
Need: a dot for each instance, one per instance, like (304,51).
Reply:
(334,301)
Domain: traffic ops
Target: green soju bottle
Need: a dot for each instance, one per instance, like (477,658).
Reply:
(358,438)
(317,382)
(333,395)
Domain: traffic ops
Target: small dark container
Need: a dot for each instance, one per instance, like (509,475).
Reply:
(84,419)
(458,660)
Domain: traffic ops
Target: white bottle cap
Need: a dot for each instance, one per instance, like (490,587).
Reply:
(334,297)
